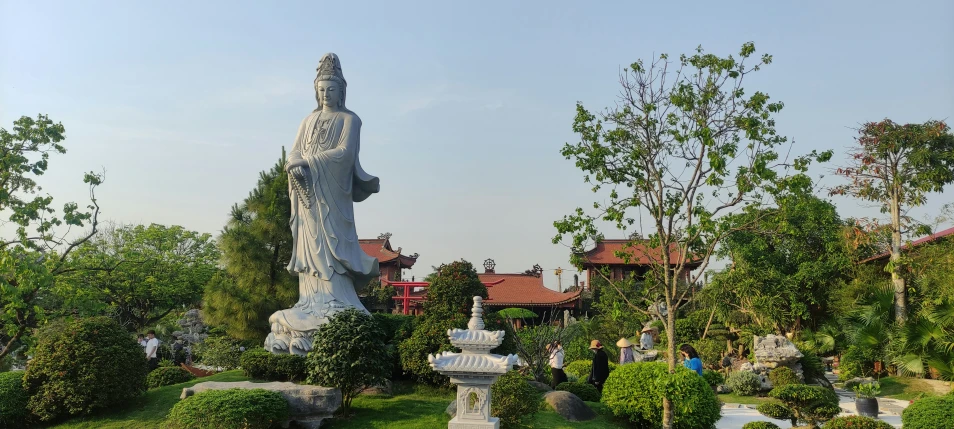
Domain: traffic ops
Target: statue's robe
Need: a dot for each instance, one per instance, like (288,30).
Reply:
(326,252)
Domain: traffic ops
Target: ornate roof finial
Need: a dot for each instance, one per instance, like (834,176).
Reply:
(489,265)
(477,315)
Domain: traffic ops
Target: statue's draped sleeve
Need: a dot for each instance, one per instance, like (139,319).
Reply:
(324,237)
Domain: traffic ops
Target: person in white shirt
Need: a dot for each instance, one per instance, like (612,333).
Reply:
(557,375)
(152,350)
(646,339)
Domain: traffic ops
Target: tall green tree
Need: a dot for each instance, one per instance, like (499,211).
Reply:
(35,254)
(897,166)
(256,246)
(684,147)
(784,267)
(138,274)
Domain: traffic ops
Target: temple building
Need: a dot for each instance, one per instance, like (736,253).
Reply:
(525,290)
(607,253)
(391,261)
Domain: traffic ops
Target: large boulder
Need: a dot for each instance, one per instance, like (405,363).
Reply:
(451,409)
(772,351)
(307,405)
(569,406)
(541,387)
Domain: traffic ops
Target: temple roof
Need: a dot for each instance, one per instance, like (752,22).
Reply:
(915,243)
(605,253)
(523,290)
(380,248)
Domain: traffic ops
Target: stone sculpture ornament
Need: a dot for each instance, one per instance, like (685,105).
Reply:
(325,180)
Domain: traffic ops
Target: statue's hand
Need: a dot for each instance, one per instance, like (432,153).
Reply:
(296,163)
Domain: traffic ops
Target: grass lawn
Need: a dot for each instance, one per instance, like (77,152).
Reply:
(146,412)
(732,398)
(411,407)
(906,388)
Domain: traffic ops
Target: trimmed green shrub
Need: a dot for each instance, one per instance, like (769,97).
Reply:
(713,378)
(220,351)
(13,400)
(635,391)
(166,376)
(856,362)
(932,412)
(585,391)
(783,376)
(347,355)
(710,351)
(856,422)
(513,399)
(744,383)
(226,409)
(397,328)
(760,425)
(581,368)
(776,410)
(82,365)
(809,404)
(259,364)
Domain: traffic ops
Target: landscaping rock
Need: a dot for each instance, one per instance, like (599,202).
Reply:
(541,387)
(569,406)
(723,389)
(307,405)
(774,350)
(383,389)
(451,409)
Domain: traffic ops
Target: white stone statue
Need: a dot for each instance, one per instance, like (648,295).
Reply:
(325,180)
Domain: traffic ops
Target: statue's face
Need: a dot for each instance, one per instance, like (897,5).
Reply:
(329,93)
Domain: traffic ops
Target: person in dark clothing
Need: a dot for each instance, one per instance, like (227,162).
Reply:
(599,372)
(178,355)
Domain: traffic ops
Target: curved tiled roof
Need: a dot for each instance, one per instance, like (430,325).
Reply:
(915,243)
(381,249)
(523,290)
(605,254)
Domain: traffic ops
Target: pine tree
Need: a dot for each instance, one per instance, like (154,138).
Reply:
(256,246)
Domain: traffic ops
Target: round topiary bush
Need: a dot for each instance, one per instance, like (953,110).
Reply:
(744,383)
(226,409)
(933,412)
(82,365)
(220,351)
(809,404)
(13,400)
(166,376)
(856,422)
(261,365)
(584,391)
(513,399)
(760,425)
(775,410)
(782,376)
(714,378)
(635,391)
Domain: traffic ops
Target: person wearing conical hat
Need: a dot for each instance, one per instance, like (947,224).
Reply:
(625,351)
(646,339)
(599,371)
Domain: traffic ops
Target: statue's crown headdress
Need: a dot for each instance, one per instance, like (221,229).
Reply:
(330,69)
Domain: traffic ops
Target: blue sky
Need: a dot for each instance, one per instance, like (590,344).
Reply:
(465,105)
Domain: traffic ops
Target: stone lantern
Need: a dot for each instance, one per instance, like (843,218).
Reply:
(473,370)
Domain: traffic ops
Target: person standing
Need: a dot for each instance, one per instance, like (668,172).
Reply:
(557,354)
(646,339)
(178,355)
(690,359)
(141,339)
(625,351)
(152,350)
(599,371)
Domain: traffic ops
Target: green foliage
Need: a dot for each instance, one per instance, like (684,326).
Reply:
(378,296)
(585,391)
(856,422)
(449,301)
(168,375)
(581,368)
(713,378)
(760,425)
(783,376)
(635,391)
(710,351)
(13,400)
(153,270)
(775,410)
(220,351)
(744,383)
(867,390)
(813,369)
(347,355)
(857,361)
(256,246)
(82,365)
(809,404)
(259,364)
(513,399)
(929,413)
(517,313)
(227,409)
(397,328)
(35,252)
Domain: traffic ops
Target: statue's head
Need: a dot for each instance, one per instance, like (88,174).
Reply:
(330,84)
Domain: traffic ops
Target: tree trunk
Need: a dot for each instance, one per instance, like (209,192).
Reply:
(900,299)
(671,360)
